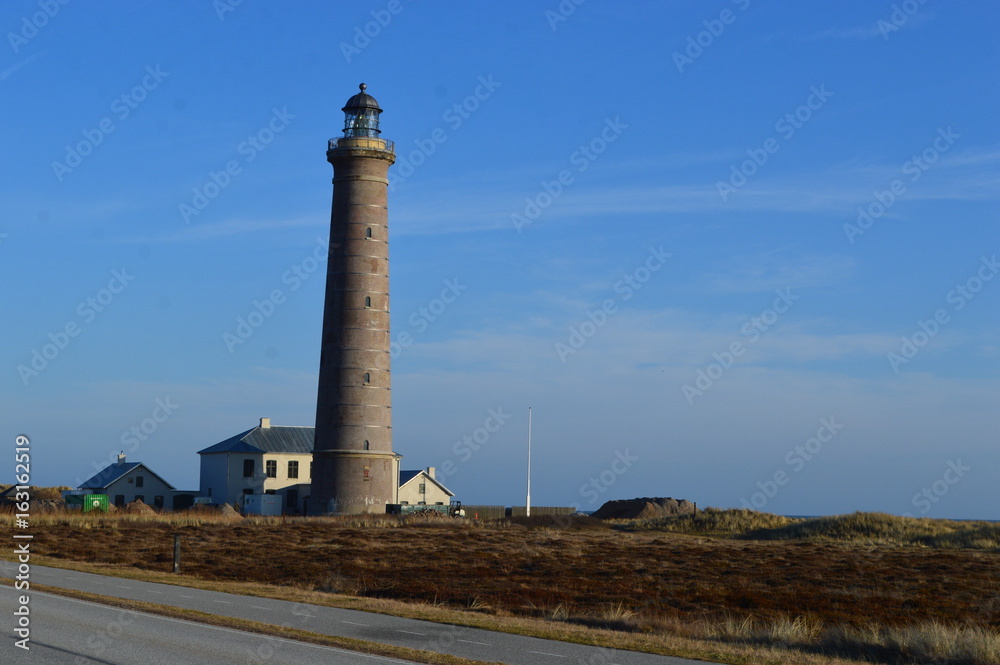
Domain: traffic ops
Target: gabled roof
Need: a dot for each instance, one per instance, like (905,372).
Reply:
(407,476)
(115,471)
(267,440)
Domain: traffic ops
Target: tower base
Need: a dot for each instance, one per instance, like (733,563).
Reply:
(351,482)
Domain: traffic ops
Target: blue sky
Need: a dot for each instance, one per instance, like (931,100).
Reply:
(736,252)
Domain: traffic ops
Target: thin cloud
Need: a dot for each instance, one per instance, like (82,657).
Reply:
(230,227)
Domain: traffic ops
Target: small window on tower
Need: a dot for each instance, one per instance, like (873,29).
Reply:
(367,445)
(368,378)
(368,301)
(368,232)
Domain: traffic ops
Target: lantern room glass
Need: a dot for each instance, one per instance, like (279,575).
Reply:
(363,122)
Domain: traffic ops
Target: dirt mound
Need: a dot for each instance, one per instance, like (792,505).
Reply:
(229,512)
(137,507)
(644,508)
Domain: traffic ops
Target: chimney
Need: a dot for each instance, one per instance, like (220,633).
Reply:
(430,471)
(121,457)
(265,423)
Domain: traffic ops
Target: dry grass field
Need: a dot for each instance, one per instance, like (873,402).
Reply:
(867,586)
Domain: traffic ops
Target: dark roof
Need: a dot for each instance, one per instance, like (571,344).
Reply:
(362,100)
(267,440)
(407,476)
(113,472)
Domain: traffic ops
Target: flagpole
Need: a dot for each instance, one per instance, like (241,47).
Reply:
(527,501)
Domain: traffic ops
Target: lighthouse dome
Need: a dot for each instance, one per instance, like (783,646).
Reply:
(361,101)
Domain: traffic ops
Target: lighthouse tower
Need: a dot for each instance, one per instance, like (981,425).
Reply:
(354,467)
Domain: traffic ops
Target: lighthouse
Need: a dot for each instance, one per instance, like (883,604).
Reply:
(354,467)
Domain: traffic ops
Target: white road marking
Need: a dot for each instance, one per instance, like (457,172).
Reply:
(158,593)
(471,642)
(410,632)
(183,596)
(222,602)
(545,653)
(354,623)
(258,607)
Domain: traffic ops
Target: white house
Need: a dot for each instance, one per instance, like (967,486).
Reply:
(263,460)
(124,482)
(278,460)
(422,488)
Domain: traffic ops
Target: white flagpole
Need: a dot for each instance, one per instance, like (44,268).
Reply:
(527,501)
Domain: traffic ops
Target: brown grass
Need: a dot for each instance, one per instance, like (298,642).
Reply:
(860,587)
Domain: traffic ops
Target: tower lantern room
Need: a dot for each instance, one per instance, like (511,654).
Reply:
(361,115)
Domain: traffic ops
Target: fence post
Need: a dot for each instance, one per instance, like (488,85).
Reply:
(177,552)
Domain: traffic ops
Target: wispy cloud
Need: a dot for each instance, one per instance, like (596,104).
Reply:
(971,175)
(230,227)
(767,271)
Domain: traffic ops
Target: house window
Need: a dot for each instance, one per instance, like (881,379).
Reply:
(292,499)
(248,491)
(138,481)
(422,488)
(140,497)
(210,491)
(119,500)
(293,469)
(158,502)
(248,468)
(271,468)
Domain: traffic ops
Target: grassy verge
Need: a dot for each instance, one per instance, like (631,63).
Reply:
(731,586)
(733,641)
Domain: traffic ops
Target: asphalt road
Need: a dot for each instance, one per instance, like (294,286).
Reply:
(65,631)
(460,641)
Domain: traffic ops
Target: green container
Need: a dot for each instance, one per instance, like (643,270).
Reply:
(93,502)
